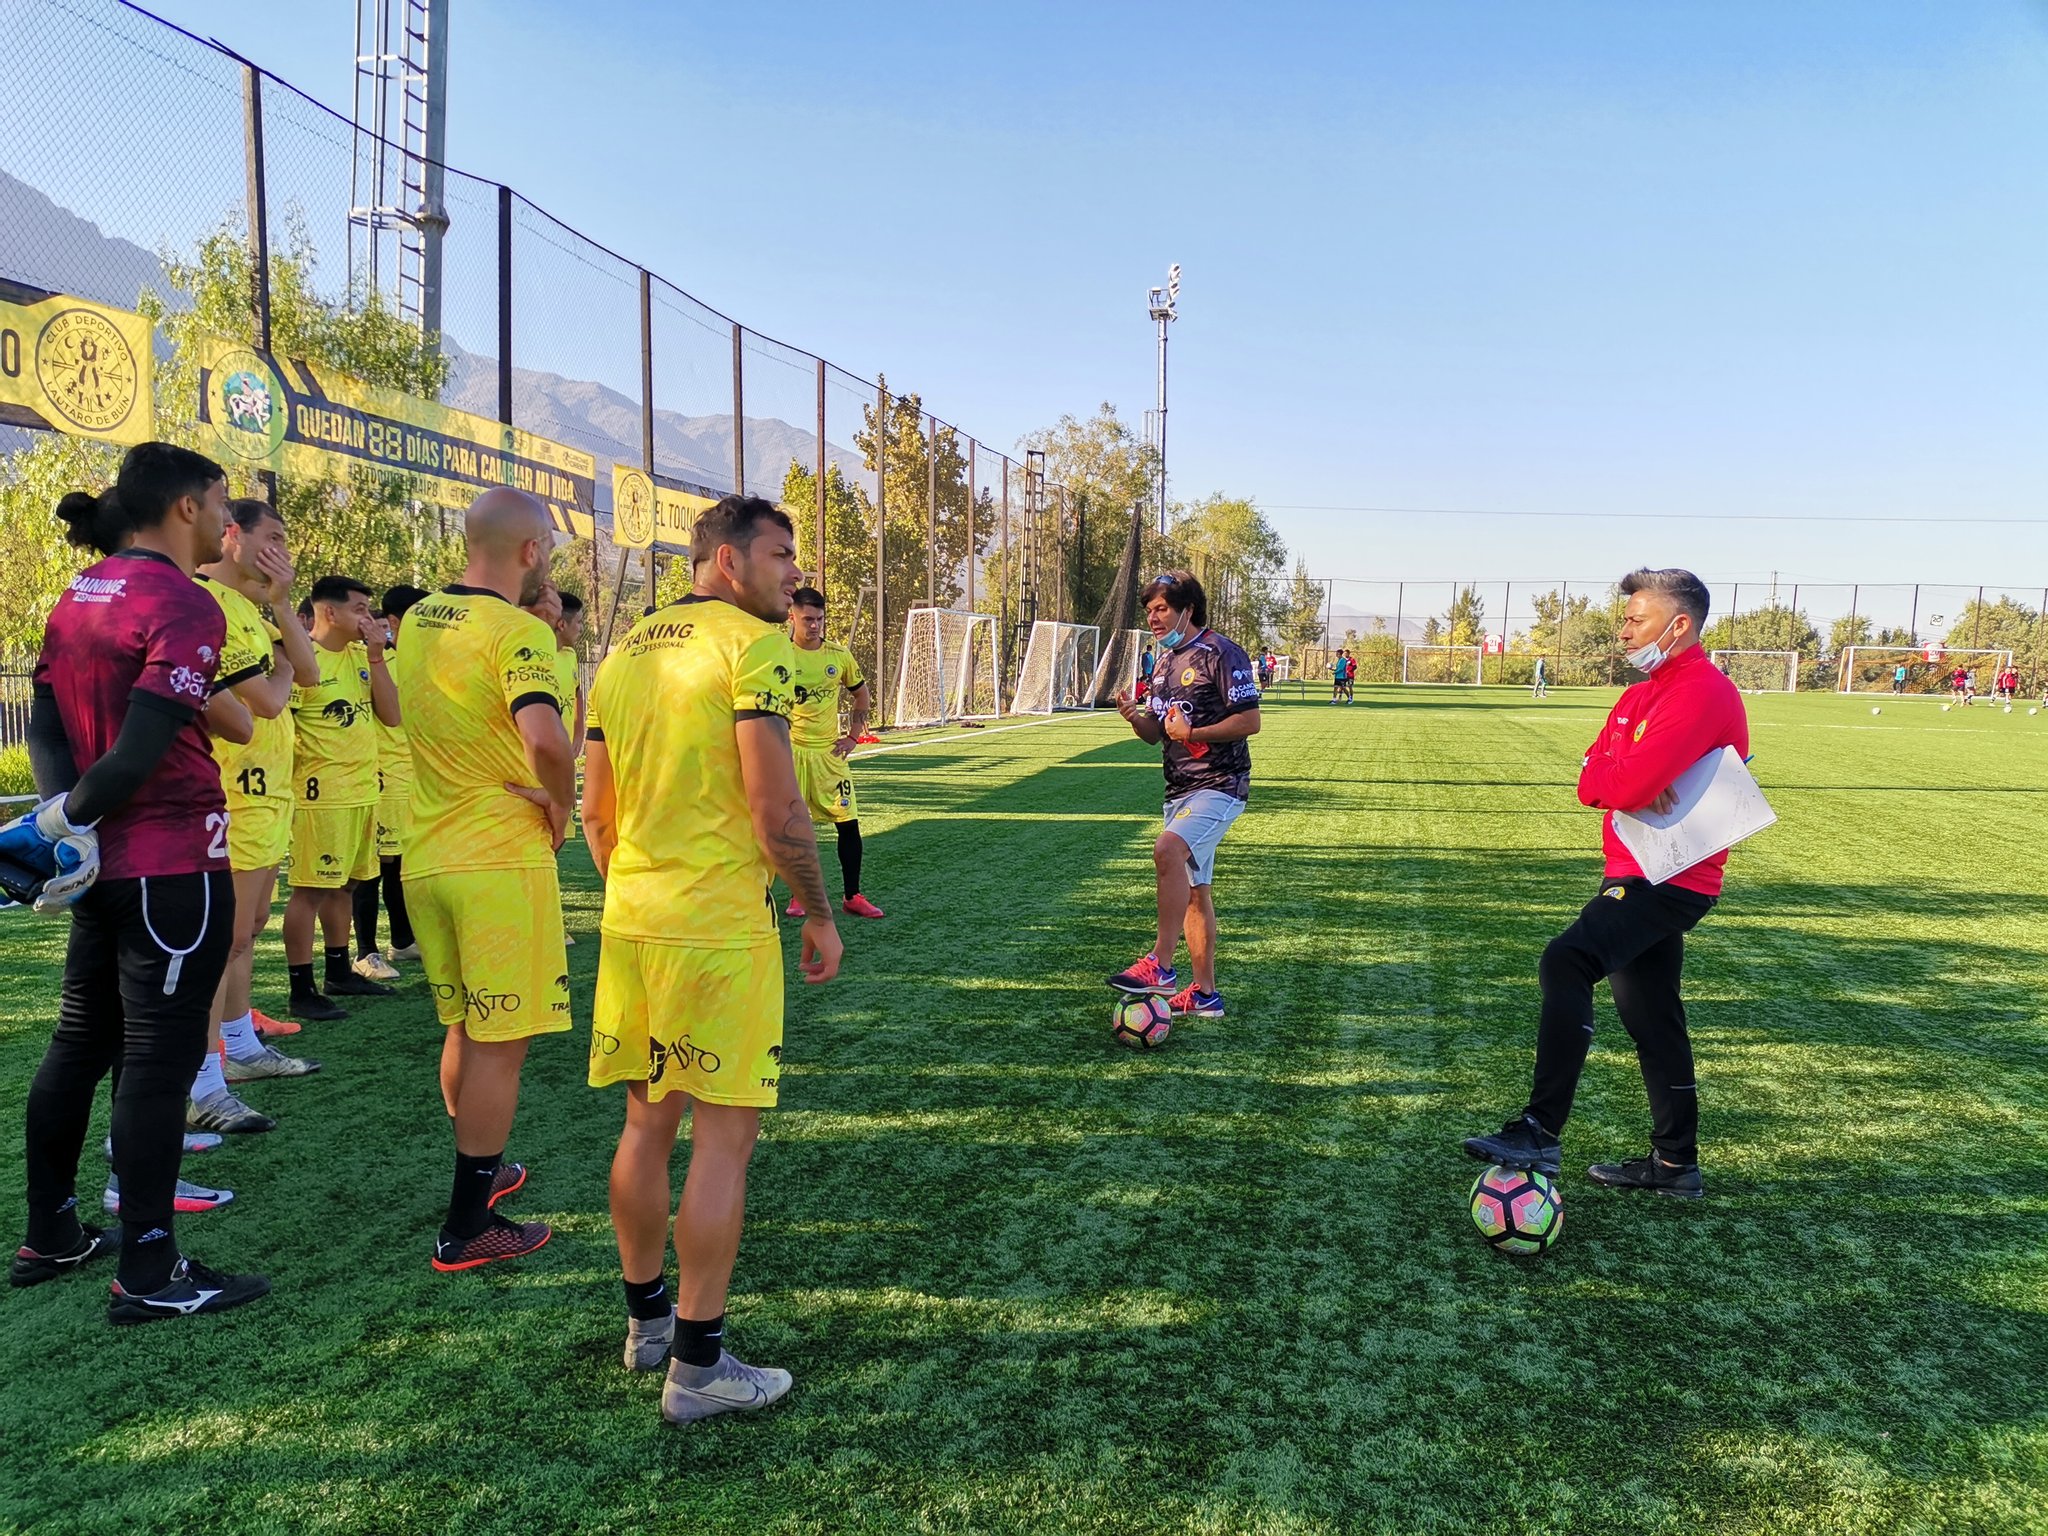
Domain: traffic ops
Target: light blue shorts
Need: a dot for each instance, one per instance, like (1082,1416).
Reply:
(1199,819)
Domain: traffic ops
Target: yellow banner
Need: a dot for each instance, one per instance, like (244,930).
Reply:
(70,366)
(297,417)
(674,510)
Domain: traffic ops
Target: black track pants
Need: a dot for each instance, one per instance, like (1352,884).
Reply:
(144,959)
(1636,939)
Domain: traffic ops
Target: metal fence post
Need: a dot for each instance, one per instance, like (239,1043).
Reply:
(883,695)
(739,420)
(973,524)
(931,511)
(505,315)
(821,474)
(1913,622)
(259,231)
(646,420)
(1977,624)
(1003,604)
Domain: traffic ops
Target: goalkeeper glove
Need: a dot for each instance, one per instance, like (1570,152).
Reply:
(46,860)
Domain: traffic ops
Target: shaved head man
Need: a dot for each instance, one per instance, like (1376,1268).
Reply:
(493,779)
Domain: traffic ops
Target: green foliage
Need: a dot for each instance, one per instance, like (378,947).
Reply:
(1304,611)
(15,778)
(1240,560)
(1105,471)
(2004,625)
(1773,627)
(1850,629)
(1466,622)
(38,564)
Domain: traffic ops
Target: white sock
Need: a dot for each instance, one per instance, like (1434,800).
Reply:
(240,1037)
(210,1079)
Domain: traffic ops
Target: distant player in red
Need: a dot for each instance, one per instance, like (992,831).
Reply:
(119,746)
(1959,685)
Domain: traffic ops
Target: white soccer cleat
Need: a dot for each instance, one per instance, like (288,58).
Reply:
(374,967)
(648,1341)
(695,1392)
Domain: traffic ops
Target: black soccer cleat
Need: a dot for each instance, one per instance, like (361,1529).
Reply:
(193,1291)
(352,985)
(1681,1181)
(32,1268)
(315,1008)
(1521,1143)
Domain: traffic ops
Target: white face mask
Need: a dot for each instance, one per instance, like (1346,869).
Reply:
(1649,658)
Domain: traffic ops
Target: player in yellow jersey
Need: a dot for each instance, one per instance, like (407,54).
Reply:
(261,660)
(493,784)
(691,806)
(824,670)
(394,819)
(334,780)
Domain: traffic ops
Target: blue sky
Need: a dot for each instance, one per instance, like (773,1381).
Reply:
(1701,259)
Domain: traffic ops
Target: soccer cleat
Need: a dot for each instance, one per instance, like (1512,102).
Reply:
(193,1291)
(509,1177)
(794,909)
(1147,976)
(1521,1143)
(316,1007)
(1192,1002)
(502,1239)
(858,905)
(1681,1181)
(352,985)
(224,1112)
(268,1027)
(375,967)
(648,1340)
(403,952)
(32,1268)
(569,938)
(272,1063)
(189,1200)
(695,1392)
(195,1141)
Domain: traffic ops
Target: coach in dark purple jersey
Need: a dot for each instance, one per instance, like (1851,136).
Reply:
(1203,704)
(119,744)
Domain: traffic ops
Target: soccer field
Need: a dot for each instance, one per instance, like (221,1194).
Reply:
(1029,1281)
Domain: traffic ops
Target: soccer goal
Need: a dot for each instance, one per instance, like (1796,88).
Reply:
(948,669)
(1058,669)
(1926,668)
(1120,665)
(1283,669)
(1759,671)
(1440,664)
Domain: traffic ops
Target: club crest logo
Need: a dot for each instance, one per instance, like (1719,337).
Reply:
(1187,676)
(1615,892)
(633,509)
(88,372)
(246,406)
(1641,726)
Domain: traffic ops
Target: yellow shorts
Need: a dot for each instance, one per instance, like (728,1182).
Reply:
(394,823)
(259,833)
(332,845)
(491,943)
(826,781)
(706,1022)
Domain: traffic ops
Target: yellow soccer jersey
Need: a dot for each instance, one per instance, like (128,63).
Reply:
(259,773)
(687,869)
(472,661)
(334,757)
(820,674)
(567,676)
(394,754)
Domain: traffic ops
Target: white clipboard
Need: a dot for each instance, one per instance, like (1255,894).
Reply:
(1718,806)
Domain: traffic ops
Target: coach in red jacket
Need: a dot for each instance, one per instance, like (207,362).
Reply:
(1633,932)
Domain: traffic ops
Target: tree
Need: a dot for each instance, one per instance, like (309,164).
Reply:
(2004,625)
(1301,624)
(1105,472)
(1466,622)
(1773,627)
(849,550)
(1239,559)
(1850,629)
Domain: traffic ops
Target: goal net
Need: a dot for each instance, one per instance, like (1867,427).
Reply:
(948,668)
(1283,669)
(1759,671)
(1925,668)
(1120,666)
(1058,670)
(1440,664)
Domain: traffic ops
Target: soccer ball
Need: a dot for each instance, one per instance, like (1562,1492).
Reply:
(1517,1210)
(2033,711)
(2008,709)
(1142,1023)
(1944,709)
(1875,710)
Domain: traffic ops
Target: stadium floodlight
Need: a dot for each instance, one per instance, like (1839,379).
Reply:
(950,668)
(1162,305)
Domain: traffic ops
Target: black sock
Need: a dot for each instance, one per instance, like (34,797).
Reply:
(849,857)
(302,980)
(54,1231)
(469,1204)
(394,904)
(647,1299)
(699,1343)
(148,1254)
(363,907)
(337,962)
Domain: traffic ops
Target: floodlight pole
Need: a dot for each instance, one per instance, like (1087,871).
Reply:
(1162,306)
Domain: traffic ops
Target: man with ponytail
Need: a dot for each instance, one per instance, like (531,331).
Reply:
(119,744)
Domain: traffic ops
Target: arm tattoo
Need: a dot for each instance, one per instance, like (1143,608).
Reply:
(794,849)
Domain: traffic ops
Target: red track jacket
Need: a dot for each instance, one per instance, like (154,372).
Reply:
(1656,730)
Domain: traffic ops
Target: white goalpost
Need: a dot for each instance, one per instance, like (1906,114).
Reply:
(1928,668)
(1457,664)
(1283,669)
(1058,669)
(1759,671)
(949,668)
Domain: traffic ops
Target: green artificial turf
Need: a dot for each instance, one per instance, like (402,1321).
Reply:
(1029,1281)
